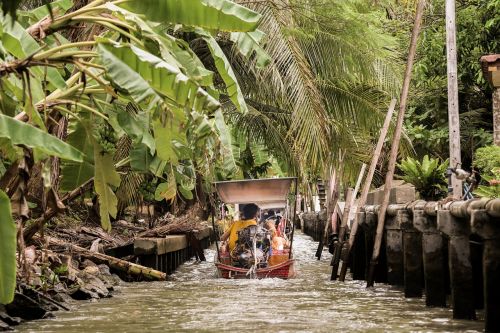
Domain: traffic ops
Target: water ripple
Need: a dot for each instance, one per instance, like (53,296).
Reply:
(195,300)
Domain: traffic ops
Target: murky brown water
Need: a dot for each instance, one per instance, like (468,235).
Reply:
(195,301)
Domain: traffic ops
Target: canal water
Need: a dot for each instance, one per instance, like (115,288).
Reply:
(196,301)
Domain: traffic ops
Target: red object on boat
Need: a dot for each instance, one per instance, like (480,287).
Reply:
(284,270)
(280,266)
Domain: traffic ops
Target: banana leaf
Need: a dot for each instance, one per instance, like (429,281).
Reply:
(145,76)
(105,178)
(173,50)
(75,174)
(7,251)
(248,43)
(228,162)
(226,71)
(20,133)
(210,14)
(20,44)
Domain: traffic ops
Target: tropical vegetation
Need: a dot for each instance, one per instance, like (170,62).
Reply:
(112,95)
(428,176)
(148,102)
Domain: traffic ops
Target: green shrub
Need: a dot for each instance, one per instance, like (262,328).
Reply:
(428,176)
(492,188)
(487,158)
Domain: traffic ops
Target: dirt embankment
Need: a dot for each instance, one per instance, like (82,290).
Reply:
(65,265)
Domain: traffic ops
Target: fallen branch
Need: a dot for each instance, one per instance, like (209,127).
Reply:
(115,263)
(179,225)
(32,229)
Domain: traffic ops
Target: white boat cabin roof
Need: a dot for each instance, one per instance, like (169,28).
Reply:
(266,193)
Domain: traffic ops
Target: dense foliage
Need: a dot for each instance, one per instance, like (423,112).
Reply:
(487,162)
(478,28)
(152,101)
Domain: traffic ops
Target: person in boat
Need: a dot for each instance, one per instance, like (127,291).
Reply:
(248,218)
(268,215)
(278,243)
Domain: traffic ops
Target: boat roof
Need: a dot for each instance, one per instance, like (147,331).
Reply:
(265,193)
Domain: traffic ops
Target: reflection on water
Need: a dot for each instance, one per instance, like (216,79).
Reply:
(197,301)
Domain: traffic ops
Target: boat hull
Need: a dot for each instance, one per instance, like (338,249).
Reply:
(283,270)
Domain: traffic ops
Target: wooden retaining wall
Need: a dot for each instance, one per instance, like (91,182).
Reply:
(449,253)
(167,254)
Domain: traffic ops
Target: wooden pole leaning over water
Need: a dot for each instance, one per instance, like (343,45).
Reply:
(453,115)
(395,143)
(351,197)
(366,186)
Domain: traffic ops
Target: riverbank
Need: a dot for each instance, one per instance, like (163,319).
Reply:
(75,260)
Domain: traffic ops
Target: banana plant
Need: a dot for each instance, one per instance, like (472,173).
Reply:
(130,80)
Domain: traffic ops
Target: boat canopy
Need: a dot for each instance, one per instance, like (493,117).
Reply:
(266,193)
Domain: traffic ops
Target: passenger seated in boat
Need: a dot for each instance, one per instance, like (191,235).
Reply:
(278,243)
(248,218)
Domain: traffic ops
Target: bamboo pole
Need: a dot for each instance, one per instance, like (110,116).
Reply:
(343,226)
(453,115)
(118,264)
(343,229)
(358,183)
(366,186)
(395,142)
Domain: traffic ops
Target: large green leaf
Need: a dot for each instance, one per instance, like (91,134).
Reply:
(140,158)
(164,135)
(105,177)
(147,77)
(166,190)
(7,251)
(75,174)
(59,7)
(228,162)
(174,51)
(211,14)
(250,42)
(20,133)
(137,127)
(226,71)
(20,44)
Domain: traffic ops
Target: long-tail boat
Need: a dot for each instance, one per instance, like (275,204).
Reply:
(269,193)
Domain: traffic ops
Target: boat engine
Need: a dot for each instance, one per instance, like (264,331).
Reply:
(253,247)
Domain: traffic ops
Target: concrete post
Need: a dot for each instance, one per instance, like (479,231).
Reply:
(433,259)
(412,255)
(394,250)
(489,230)
(462,290)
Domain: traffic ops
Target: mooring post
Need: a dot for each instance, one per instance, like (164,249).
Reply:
(394,249)
(345,254)
(433,259)
(488,229)
(459,261)
(412,255)
(359,258)
(368,226)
